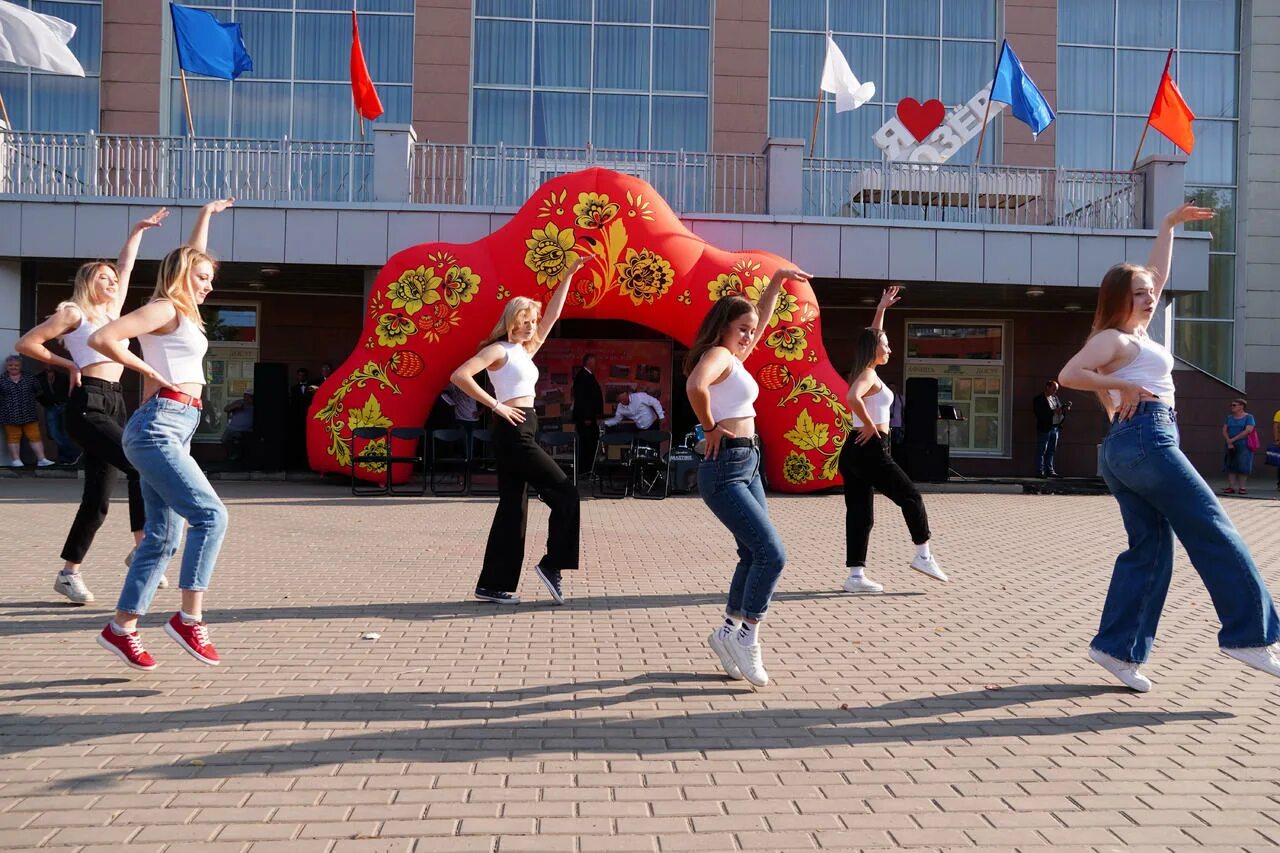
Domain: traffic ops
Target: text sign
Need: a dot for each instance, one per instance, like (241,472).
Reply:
(961,125)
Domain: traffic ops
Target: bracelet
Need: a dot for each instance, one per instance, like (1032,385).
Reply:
(710,429)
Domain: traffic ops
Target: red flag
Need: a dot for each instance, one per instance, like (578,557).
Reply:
(1170,114)
(362,90)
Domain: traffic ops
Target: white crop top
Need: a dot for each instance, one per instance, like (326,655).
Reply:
(179,355)
(77,342)
(518,377)
(735,395)
(878,406)
(1151,368)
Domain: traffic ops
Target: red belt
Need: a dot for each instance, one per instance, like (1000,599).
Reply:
(170,394)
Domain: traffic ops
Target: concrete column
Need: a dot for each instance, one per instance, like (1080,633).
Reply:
(392,148)
(784,176)
(1163,189)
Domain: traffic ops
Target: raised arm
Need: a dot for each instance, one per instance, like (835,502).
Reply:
(888,299)
(769,300)
(32,344)
(464,378)
(1161,260)
(551,314)
(129,254)
(199,239)
(111,339)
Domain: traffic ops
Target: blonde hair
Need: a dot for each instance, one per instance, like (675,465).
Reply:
(514,309)
(82,291)
(173,282)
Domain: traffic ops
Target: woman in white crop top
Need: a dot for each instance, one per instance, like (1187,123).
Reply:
(1160,494)
(722,393)
(157,440)
(95,413)
(507,356)
(867,464)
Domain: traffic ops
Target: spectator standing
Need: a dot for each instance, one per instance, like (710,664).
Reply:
(1238,458)
(18,412)
(588,409)
(55,391)
(1050,411)
(300,394)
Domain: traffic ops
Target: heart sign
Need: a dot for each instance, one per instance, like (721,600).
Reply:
(921,119)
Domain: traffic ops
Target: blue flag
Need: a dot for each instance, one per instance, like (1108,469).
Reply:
(207,46)
(1013,86)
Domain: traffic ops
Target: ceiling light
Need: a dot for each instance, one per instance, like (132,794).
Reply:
(1035,291)
(1071,306)
(256,285)
(867,300)
(270,271)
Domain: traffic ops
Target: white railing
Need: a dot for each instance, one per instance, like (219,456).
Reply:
(117,166)
(999,195)
(507,175)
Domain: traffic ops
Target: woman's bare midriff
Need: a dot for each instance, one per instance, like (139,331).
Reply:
(519,402)
(740,427)
(107,371)
(193,389)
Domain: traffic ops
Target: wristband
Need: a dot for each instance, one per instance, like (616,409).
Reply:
(711,428)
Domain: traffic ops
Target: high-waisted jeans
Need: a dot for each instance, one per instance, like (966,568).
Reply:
(157,441)
(730,485)
(864,468)
(523,463)
(1161,495)
(95,418)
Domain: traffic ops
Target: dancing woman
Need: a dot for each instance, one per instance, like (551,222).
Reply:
(1159,493)
(722,394)
(507,355)
(157,440)
(866,463)
(95,414)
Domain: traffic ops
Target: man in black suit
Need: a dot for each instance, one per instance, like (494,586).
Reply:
(588,409)
(1050,413)
(300,394)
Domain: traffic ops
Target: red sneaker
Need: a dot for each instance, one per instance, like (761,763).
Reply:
(128,648)
(193,638)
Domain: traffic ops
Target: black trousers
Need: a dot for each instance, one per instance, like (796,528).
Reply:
(522,463)
(95,419)
(866,467)
(588,432)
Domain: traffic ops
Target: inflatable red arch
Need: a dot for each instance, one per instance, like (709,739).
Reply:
(433,303)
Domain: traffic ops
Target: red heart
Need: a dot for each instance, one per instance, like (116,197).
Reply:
(920,119)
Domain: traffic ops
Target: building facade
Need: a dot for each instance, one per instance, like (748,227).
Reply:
(716,104)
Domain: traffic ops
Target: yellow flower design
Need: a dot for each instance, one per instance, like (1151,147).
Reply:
(784,311)
(377,447)
(552,205)
(594,210)
(550,253)
(394,329)
(414,289)
(797,468)
(645,277)
(726,284)
(787,344)
(460,284)
(368,415)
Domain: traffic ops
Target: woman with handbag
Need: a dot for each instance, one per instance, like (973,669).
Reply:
(1241,434)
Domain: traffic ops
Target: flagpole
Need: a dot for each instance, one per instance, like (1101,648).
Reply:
(1147,126)
(987,115)
(186,99)
(817,111)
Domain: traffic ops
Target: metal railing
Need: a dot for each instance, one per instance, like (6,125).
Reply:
(991,195)
(118,166)
(507,175)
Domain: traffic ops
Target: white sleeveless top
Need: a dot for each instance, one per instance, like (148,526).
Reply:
(179,355)
(878,406)
(735,395)
(1152,369)
(518,377)
(77,342)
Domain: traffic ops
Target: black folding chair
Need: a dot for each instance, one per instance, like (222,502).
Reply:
(414,460)
(563,448)
(368,456)
(612,465)
(650,466)
(450,469)
(484,463)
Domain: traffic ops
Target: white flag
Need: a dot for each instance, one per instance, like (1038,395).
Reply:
(839,80)
(37,41)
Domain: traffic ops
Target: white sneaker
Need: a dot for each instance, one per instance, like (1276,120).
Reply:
(73,587)
(1124,670)
(749,660)
(1264,658)
(128,561)
(45,463)
(164,583)
(928,566)
(16,463)
(720,645)
(862,585)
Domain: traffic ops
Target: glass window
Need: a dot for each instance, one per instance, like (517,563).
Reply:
(1086,21)
(505,8)
(560,119)
(622,57)
(1220,301)
(857,16)
(55,103)
(1133,69)
(1223,225)
(562,55)
(1085,80)
(260,110)
(953,341)
(679,123)
(965,70)
(1215,153)
(912,17)
(1205,343)
(671,49)
(681,12)
(795,62)
(911,70)
(1207,26)
(799,15)
(620,121)
(1084,142)
(623,11)
(500,116)
(964,19)
(1209,82)
(967,361)
(1147,23)
(502,55)
(565,10)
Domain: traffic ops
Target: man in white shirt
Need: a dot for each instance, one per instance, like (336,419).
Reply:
(638,407)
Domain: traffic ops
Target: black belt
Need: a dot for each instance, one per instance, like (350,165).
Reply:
(104,383)
(730,443)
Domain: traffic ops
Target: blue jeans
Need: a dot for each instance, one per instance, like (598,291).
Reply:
(730,485)
(53,418)
(1161,495)
(1047,451)
(157,442)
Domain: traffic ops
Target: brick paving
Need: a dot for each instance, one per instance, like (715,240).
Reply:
(932,717)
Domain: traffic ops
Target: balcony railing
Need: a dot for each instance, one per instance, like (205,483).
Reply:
(507,175)
(502,176)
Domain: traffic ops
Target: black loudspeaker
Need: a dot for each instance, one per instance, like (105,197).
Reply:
(927,463)
(270,414)
(920,412)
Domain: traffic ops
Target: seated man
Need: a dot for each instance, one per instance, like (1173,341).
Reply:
(239,426)
(636,410)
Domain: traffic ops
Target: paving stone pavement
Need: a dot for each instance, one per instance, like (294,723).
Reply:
(933,717)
